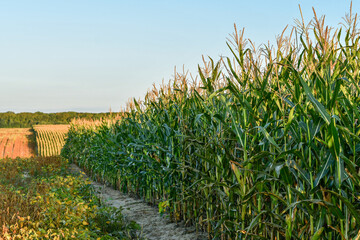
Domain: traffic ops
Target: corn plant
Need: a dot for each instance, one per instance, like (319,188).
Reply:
(262,145)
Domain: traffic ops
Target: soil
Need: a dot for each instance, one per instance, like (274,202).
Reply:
(16,142)
(154,226)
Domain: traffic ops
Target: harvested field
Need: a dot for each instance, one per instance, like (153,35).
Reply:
(16,142)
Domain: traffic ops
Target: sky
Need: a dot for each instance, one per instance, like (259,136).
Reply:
(93,55)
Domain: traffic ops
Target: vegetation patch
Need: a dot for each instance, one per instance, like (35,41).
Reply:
(39,199)
(27,119)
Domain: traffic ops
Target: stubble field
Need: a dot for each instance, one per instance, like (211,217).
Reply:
(41,140)
(16,142)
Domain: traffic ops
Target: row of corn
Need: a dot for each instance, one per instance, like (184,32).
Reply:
(265,146)
(50,139)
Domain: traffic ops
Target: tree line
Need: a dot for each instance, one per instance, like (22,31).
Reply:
(27,119)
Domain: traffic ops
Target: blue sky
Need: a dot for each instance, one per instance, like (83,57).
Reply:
(87,55)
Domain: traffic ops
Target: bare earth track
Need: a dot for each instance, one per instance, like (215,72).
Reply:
(154,227)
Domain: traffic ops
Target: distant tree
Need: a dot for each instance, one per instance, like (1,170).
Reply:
(26,120)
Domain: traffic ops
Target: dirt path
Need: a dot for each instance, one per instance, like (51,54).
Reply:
(154,227)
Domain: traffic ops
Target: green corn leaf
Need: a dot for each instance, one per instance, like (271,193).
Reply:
(318,106)
(291,117)
(324,170)
(317,234)
(335,137)
(268,137)
(236,170)
(353,210)
(335,93)
(304,175)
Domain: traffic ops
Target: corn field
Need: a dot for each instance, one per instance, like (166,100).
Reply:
(50,139)
(261,145)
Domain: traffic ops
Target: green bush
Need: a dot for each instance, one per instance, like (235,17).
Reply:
(39,199)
